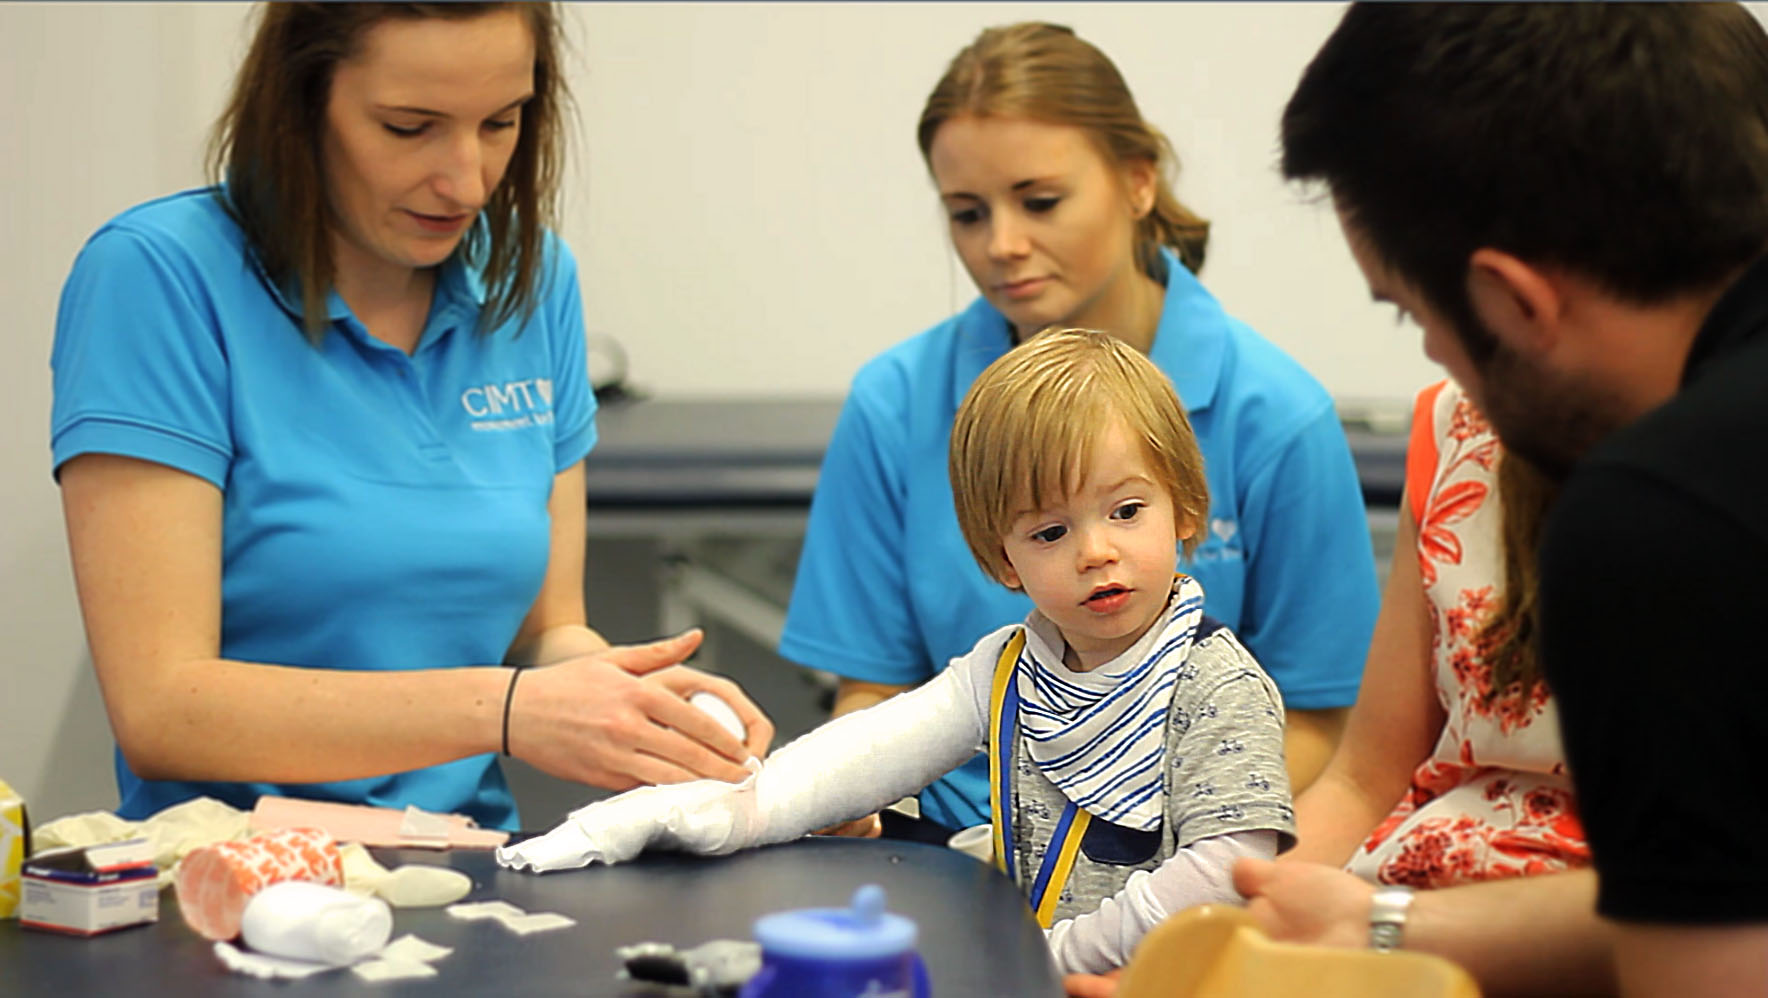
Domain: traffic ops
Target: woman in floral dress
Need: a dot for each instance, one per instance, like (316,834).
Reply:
(1492,799)
(1450,776)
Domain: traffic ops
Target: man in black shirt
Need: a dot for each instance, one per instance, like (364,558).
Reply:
(1572,200)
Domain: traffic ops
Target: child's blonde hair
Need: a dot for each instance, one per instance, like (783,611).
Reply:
(1026,431)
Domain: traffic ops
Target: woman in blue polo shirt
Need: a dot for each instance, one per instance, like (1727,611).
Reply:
(1060,211)
(319,433)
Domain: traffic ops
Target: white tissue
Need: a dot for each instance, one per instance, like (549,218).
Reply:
(474,910)
(307,921)
(540,921)
(410,948)
(405,957)
(511,917)
(392,970)
(266,967)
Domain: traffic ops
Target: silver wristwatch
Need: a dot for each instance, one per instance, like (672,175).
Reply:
(1387,917)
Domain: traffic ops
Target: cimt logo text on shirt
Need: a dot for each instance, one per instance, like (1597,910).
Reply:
(511,397)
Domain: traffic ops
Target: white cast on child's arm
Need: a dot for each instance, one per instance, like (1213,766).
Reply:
(848,767)
(1105,939)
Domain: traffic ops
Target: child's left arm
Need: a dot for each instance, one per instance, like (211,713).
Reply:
(1200,873)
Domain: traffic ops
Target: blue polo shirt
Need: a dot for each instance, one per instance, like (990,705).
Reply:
(380,511)
(888,592)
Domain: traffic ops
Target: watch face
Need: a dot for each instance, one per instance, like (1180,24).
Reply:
(1384,936)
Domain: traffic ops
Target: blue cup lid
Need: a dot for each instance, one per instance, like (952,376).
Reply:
(863,931)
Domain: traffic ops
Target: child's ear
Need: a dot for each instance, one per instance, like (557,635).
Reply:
(1185,527)
(1009,576)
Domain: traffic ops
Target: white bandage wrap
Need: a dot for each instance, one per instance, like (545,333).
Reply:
(847,768)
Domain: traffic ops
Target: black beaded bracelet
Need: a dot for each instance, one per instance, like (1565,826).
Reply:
(508,695)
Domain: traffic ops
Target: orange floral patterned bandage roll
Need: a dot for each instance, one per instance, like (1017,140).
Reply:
(215,882)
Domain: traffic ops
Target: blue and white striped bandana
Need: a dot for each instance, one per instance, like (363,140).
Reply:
(1100,736)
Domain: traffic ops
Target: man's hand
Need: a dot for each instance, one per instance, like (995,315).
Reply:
(1306,902)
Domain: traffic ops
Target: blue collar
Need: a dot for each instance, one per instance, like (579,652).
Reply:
(1189,343)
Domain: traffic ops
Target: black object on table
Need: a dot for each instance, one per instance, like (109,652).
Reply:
(976,934)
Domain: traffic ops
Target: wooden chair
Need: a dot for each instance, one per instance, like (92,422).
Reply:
(1216,951)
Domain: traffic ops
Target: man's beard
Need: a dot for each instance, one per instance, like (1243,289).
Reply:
(1548,418)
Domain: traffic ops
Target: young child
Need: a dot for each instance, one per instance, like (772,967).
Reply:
(1136,748)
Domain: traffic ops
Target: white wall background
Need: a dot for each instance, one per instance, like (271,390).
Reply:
(752,189)
(749,209)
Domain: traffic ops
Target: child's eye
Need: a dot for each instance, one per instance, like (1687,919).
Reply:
(1050,534)
(406,133)
(500,125)
(1128,511)
(1039,205)
(966,216)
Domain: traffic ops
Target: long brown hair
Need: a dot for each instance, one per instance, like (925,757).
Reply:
(1044,72)
(1507,639)
(265,148)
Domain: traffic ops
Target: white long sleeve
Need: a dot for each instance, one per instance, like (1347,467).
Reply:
(860,762)
(1200,873)
(849,767)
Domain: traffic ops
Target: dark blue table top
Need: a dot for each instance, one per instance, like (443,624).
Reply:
(976,934)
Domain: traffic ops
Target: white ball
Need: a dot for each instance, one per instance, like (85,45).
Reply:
(719,711)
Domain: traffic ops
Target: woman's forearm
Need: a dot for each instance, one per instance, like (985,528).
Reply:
(1309,739)
(225,720)
(1333,818)
(556,644)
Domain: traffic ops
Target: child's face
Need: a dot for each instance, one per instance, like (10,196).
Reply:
(1100,563)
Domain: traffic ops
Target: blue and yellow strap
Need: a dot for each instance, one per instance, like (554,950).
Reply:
(1046,890)
(1003,719)
(1003,714)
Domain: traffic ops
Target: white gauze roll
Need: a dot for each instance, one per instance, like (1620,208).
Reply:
(308,921)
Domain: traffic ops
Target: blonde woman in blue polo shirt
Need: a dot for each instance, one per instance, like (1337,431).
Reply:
(1060,211)
(319,433)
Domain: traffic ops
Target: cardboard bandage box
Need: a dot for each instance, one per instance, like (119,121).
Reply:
(86,891)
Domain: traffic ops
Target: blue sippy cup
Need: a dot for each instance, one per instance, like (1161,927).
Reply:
(857,952)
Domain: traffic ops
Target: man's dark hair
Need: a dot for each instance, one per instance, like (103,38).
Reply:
(1625,142)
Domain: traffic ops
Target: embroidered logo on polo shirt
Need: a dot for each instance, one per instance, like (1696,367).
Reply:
(1222,543)
(512,405)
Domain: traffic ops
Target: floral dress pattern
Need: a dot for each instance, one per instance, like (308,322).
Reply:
(1494,799)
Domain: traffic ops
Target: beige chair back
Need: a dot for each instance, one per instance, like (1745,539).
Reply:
(1217,951)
